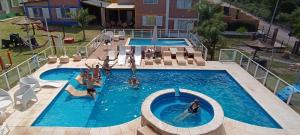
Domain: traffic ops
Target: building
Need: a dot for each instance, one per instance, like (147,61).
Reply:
(55,11)
(166,14)
(11,6)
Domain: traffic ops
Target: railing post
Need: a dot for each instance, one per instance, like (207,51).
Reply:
(248,64)
(178,33)
(86,52)
(160,33)
(266,76)
(142,34)
(29,66)
(169,33)
(234,55)
(18,71)
(290,96)
(132,33)
(241,60)
(220,54)
(37,60)
(45,55)
(276,86)
(205,54)
(255,72)
(6,80)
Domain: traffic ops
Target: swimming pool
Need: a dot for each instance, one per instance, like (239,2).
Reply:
(160,42)
(118,103)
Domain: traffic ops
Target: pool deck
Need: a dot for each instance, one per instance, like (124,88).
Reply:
(20,122)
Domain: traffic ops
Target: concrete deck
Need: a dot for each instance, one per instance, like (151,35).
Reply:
(19,121)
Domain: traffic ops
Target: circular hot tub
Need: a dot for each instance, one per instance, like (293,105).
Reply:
(166,113)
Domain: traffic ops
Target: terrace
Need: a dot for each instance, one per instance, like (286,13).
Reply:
(261,85)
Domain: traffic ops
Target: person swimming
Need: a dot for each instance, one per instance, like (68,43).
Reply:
(192,109)
(134,82)
(90,87)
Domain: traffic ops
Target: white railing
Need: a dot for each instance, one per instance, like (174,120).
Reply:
(263,75)
(162,33)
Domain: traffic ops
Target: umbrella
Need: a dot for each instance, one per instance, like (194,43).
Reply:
(154,37)
(257,45)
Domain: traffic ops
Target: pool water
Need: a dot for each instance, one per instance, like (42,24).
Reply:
(118,103)
(172,110)
(160,42)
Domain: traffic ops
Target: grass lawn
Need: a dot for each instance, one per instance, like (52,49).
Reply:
(7,28)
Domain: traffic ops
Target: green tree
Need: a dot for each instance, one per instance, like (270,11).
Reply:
(83,18)
(211,25)
(295,21)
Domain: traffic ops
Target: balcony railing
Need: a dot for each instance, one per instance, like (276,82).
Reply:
(260,73)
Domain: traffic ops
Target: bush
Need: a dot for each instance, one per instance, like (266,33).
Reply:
(241,30)
(233,26)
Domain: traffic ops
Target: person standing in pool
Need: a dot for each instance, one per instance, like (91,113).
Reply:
(96,73)
(106,67)
(90,87)
(134,82)
(132,64)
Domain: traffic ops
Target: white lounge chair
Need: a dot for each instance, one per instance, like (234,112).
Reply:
(122,55)
(35,83)
(5,100)
(138,55)
(109,34)
(4,130)
(121,35)
(24,94)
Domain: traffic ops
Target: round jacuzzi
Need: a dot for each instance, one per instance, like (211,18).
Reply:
(166,113)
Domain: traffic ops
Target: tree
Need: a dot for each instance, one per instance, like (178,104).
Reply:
(83,18)
(295,21)
(210,25)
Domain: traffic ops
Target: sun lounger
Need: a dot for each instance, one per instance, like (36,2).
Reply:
(77,57)
(64,59)
(198,59)
(5,100)
(180,58)
(72,91)
(122,55)
(29,80)
(109,35)
(190,51)
(138,55)
(52,59)
(24,94)
(167,58)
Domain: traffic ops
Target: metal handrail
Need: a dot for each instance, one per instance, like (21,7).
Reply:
(258,65)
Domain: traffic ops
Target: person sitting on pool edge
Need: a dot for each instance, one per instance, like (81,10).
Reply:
(194,106)
(133,81)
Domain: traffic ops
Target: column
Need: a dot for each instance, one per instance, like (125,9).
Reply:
(167,14)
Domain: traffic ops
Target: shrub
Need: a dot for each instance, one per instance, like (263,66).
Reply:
(233,26)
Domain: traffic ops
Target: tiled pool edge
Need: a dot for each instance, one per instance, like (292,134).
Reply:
(214,127)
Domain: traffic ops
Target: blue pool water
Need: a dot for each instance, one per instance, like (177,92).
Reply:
(171,109)
(160,42)
(118,103)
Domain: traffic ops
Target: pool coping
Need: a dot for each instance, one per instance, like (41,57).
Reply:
(213,127)
(286,117)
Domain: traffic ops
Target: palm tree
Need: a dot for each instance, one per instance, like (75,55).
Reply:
(210,25)
(83,18)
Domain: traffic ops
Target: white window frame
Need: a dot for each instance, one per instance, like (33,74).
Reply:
(13,4)
(158,20)
(184,5)
(153,2)
(189,24)
(40,12)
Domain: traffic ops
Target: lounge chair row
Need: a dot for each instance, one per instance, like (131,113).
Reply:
(63,59)
(181,59)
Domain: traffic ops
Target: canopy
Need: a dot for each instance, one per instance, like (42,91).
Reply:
(118,6)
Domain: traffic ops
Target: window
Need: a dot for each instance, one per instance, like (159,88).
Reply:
(152,20)
(65,12)
(183,24)
(15,3)
(37,12)
(150,1)
(184,4)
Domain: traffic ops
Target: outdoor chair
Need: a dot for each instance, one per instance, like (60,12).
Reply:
(34,83)
(24,94)
(167,58)
(198,59)
(5,100)
(180,58)
(4,129)
(121,35)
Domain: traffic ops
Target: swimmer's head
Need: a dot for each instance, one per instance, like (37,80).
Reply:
(97,66)
(197,101)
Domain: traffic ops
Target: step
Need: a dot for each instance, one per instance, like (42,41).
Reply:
(145,130)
